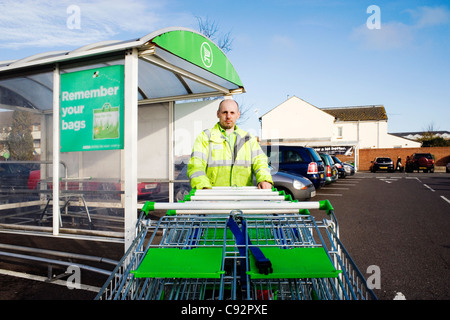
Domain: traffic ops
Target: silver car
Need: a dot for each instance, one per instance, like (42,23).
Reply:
(349,169)
(299,187)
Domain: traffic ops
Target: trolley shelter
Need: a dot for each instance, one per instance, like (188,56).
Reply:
(106,113)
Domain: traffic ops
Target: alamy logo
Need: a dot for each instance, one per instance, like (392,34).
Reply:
(206,54)
(374,21)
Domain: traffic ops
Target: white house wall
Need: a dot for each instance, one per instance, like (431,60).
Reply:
(398,142)
(294,119)
(300,123)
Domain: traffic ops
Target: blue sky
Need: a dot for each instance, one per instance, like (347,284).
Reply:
(320,51)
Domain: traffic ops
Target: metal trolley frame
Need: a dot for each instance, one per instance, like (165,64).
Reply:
(254,250)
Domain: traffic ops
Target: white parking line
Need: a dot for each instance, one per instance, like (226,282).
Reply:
(44,279)
(329,194)
(428,187)
(445,199)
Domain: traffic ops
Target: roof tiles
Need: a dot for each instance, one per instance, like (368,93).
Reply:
(358,113)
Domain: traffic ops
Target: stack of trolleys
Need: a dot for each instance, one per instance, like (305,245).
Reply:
(237,243)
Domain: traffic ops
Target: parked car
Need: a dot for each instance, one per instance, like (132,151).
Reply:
(331,172)
(420,161)
(297,186)
(447,168)
(382,164)
(349,169)
(14,176)
(340,167)
(101,189)
(304,161)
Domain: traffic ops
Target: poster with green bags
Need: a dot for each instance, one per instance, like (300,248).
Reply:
(106,122)
(92,109)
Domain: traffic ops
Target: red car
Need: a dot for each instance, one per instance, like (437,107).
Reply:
(420,161)
(144,188)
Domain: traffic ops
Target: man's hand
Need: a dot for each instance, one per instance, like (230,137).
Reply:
(264,185)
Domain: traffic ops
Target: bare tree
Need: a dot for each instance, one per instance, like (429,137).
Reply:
(20,140)
(210,29)
(429,131)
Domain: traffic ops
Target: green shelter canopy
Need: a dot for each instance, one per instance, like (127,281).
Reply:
(174,64)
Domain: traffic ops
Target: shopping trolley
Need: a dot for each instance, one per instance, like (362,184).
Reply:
(237,244)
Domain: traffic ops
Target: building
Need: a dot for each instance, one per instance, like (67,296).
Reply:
(419,135)
(305,124)
(345,129)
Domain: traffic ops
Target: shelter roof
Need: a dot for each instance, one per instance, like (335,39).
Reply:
(174,64)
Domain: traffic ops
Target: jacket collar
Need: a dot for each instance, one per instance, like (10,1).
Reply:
(238,130)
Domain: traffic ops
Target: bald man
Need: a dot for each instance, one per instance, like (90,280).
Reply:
(227,155)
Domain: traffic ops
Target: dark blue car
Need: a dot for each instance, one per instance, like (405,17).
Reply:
(299,160)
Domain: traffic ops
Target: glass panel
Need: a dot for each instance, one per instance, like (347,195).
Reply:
(156,82)
(19,167)
(153,152)
(190,118)
(90,184)
(34,92)
(197,87)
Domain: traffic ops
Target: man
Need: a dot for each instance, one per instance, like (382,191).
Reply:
(227,155)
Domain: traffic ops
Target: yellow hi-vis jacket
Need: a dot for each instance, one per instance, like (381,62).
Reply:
(215,163)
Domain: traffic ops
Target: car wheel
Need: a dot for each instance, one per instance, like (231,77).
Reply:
(181,193)
(287,192)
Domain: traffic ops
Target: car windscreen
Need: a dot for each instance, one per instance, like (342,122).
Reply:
(314,155)
(336,159)
(423,155)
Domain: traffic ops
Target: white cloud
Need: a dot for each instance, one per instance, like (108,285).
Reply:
(283,41)
(430,16)
(44,23)
(395,34)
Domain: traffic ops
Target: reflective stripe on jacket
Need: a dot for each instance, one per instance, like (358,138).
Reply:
(214,163)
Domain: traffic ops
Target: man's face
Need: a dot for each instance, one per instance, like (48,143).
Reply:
(228,114)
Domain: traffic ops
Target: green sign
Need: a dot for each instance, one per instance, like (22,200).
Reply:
(200,51)
(92,108)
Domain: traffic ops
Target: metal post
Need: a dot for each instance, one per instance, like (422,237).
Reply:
(171,142)
(130,144)
(56,146)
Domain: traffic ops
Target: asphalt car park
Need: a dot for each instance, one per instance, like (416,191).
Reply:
(393,225)
(395,228)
